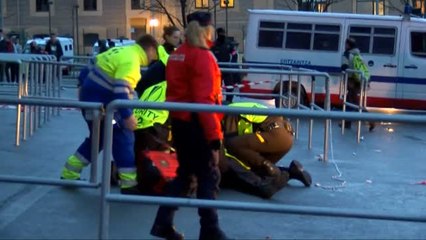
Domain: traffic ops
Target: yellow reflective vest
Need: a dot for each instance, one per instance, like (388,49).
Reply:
(245,124)
(148,117)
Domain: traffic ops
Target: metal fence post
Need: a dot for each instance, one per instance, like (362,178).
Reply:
(345,95)
(106,174)
(327,122)
(311,121)
(95,145)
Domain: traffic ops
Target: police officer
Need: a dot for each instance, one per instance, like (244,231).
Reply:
(261,141)
(193,76)
(114,75)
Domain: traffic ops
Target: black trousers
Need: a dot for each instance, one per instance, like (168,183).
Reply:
(195,158)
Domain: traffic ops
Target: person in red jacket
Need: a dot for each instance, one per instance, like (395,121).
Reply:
(193,76)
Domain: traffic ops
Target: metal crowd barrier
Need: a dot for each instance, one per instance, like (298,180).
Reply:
(37,78)
(96,110)
(107,196)
(295,74)
(362,105)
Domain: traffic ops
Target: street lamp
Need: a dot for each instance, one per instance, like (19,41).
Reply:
(215,2)
(75,8)
(50,17)
(153,23)
(226,4)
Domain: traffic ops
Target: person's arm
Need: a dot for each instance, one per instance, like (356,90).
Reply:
(59,51)
(204,72)
(48,47)
(127,75)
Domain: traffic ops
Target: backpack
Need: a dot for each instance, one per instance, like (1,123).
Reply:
(155,171)
(360,65)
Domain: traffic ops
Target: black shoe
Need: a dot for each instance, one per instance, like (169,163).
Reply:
(214,233)
(371,127)
(297,172)
(166,232)
(131,191)
(270,169)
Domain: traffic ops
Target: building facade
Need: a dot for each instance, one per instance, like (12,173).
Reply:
(89,20)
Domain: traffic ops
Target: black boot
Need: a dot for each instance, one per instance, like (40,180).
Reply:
(269,169)
(212,233)
(166,232)
(371,126)
(296,172)
(131,191)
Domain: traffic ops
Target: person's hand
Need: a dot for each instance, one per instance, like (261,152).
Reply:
(215,157)
(130,123)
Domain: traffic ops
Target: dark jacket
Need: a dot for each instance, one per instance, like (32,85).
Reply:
(54,49)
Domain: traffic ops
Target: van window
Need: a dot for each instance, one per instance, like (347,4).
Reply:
(298,36)
(271,34)
(70,47)
(66,47)
(418,44)
(374,40)
(304,36)
(326,37)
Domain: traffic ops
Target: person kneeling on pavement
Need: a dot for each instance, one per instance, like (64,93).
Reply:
(253,145)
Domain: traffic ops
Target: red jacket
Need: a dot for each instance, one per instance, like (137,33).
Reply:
(193,76)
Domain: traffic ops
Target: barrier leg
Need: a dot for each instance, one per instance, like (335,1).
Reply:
(39,80)
(289,92)
(311,121)
(345,95)
(106,175)
(327,107)
(95,146)
(18,116)
(25,108)
(361,100)
(298,106)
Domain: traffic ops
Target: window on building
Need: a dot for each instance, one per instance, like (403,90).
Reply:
(201,3)
(42,5)
(90,5)
(375,7)
(89,39)
(137,4)
(375,40)
(418,44)
(271,34)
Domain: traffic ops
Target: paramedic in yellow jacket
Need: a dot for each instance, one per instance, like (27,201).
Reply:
(114,75)
(259,142)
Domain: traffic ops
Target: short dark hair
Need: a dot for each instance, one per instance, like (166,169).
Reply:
(147,41)
(169,30)
(351,42)
(220,31)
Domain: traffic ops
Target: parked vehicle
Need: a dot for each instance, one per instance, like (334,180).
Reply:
(394,47)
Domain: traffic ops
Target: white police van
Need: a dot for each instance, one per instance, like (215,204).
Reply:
(394,47)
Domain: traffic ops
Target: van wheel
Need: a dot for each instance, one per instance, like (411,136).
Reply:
(289,99)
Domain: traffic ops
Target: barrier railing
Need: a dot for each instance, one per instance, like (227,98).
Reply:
(107,196)
(36,77)
(362,104)
(96,111)
(295,74)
